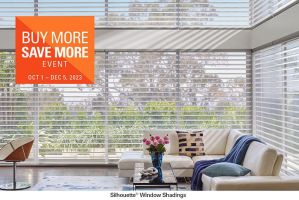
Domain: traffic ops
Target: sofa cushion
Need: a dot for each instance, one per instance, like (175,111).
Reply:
(215,141)
(172,148)
(260,159)
(231,139)
(206,157)
(176,161)
(191,143)
(225,169)
(128,160)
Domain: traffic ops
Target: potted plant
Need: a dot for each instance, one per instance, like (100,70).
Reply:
(156,148)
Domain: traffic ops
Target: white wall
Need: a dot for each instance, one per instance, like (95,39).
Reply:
(108,39)
(172,39)
(281,26)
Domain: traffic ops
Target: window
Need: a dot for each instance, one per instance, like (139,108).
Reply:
(134,91)
(136,13)
(276,83)
(215,90)
(71,119)
(178,13)
(11,8)
(16,103)
(149,13)
(94,8)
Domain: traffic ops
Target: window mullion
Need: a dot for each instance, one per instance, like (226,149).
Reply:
(106,13)
(36,122)
(36,106)
(178,90)
(178,14)
(106,126)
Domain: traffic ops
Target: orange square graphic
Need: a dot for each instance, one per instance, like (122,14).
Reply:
(54,50)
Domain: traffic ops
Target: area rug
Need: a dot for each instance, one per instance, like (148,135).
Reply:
(88,183)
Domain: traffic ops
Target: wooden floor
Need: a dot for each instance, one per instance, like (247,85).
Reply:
(33,174)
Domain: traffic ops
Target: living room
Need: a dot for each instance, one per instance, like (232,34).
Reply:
(171,96)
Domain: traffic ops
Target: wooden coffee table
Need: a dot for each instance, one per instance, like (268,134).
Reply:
(146,182)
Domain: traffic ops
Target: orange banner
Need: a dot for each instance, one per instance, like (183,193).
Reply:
(54,50)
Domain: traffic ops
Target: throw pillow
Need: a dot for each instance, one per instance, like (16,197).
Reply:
(191,143)
(225,169)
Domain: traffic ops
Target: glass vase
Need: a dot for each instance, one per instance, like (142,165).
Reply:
(157,159)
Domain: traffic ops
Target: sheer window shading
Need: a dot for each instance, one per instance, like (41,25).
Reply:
(276,83)
(135,14)
(134,91)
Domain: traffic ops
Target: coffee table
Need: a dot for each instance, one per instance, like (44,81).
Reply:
(166,181)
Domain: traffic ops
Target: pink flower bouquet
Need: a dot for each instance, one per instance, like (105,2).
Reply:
(156,144)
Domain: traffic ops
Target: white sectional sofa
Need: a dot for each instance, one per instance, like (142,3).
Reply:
(263,161)
(217,144)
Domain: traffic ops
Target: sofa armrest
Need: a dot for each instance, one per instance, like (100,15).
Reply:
(255,183)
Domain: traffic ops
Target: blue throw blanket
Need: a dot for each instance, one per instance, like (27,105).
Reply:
(236,155)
